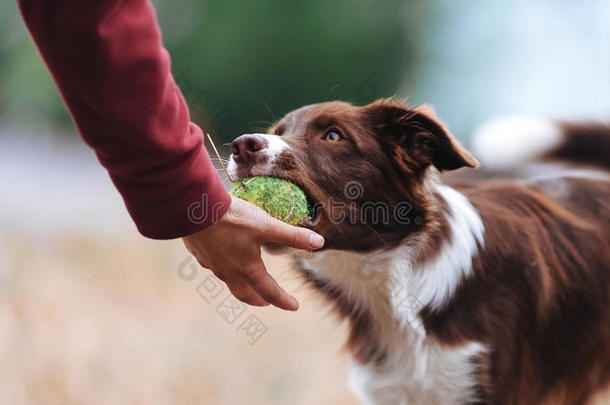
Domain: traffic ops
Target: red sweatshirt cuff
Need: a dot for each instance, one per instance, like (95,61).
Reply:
(182,198)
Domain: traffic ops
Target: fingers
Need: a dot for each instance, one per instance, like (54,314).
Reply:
(254,286)
(273,230)
(293,236)
(246,294)
(266,287)
(244,272)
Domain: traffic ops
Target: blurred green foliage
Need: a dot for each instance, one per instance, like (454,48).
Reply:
(240,64)
(244,66)
(28,95)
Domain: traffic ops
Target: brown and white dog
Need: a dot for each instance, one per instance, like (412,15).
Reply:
(488,287)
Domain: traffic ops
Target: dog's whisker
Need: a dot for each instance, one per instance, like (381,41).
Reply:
(270,111)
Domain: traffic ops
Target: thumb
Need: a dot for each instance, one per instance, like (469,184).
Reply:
(293,236)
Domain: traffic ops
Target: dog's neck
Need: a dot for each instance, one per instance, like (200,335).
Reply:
(382,292)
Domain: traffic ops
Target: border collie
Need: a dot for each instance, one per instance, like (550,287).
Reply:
(477,287)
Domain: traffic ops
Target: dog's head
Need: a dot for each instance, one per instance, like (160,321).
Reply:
(362,168)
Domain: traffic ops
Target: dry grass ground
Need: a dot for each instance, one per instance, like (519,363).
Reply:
(107,320)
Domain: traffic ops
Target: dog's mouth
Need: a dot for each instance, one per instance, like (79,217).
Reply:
(314,211)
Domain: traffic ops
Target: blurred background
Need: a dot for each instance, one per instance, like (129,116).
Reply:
(90,312)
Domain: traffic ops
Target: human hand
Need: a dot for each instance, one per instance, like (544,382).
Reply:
(231,248)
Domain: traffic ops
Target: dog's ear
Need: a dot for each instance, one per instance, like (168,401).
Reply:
(416,138)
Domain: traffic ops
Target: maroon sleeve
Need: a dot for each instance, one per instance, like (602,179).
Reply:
(108,61)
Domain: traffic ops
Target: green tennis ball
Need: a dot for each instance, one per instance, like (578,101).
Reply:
(280,198)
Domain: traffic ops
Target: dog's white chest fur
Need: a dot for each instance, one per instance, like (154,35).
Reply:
(418,369)
(392,289)
(423,373)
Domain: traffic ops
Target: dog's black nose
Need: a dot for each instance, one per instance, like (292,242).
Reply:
(246,148)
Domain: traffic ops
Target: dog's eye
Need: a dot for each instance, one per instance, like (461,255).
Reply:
(332,136)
